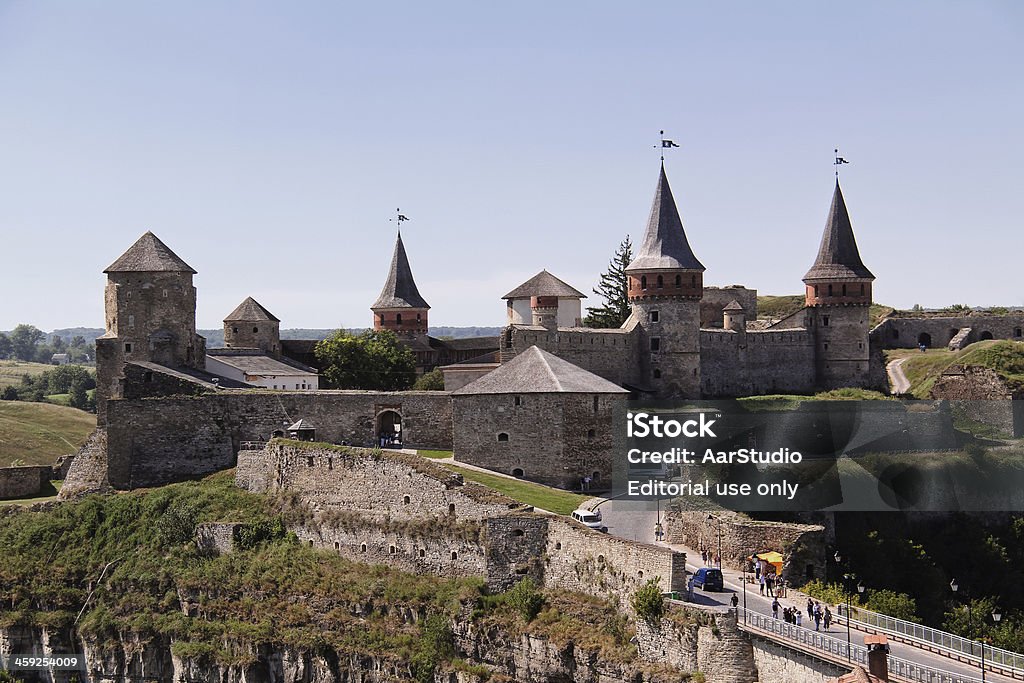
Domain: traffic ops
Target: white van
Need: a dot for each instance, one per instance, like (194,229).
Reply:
(589,519)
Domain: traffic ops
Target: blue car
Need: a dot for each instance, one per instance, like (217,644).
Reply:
(709,579)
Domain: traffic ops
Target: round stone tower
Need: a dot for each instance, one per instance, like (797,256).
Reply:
(400,308)
(666,284)
(545,311)
(251,326)
(838,296)
(734,317)
(150,307)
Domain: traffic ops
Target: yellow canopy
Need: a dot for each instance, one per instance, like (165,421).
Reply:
(772,558)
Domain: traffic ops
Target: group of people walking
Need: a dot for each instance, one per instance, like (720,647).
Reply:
(710,559)
(821,616)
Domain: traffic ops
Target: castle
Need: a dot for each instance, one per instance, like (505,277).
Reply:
(168,407)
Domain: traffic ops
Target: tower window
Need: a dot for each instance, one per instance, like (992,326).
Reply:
(518,400)
(643,282)
(398,318)
(816,293)
(128,347)
(693,280)
(657,374)
(862,289)
(235,330)
(131,321)
(502,437)
(419,317)
(255,330)
(661,282)
(824,319)
(1016,332)
(830,290)
(844,290)
(655,343)
(165,293)
(597,403)
(679,281)
(591,434)
(653,316)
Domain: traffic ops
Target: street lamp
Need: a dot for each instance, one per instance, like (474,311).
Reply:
(719,520)
(996,616)
(848,580)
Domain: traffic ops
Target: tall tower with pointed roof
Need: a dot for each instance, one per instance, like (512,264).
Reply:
(251,326)
(666,283)
(400,308)
(838,296)
(150,307)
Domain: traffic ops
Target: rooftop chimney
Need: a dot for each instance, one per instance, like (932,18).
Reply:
(878,656)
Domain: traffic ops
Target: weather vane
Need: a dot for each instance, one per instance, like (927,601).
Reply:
(839,162)
(399,219)
(665,144)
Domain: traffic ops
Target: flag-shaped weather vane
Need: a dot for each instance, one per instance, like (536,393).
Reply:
(665,144)
(839,162)
(399,218)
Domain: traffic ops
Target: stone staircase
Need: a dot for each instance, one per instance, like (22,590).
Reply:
(959,339)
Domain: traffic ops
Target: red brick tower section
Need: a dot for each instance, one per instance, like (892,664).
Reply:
(666,284)
(545,311)
(838,296)
(400,308)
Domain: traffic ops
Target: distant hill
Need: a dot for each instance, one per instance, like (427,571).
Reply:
(922,369)
(37,433)
(778,307)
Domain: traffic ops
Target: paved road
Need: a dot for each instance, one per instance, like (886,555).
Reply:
(635,520)
(898,382)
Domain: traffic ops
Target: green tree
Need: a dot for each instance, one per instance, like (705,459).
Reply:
(613,288)
(77,342)
(899,605)
(648,602)
(79,395)
(525,599)
(24,340)
(430,381)
(375,359)
(6,348)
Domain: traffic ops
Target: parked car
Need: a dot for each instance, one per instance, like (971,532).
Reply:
(589,519)
(709,579)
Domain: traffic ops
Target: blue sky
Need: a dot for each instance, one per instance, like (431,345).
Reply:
(269,143)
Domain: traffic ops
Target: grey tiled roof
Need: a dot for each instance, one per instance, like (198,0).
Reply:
(538,372)
(838,256)
(400,289)
(465,343)
(250,310)
(252,364)
(301,424)
(665,246)
(544,284)
(733,306)
(149,255)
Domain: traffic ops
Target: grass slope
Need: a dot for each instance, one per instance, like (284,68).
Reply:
(777,307)
(37,433)
(540,496)
(922,369)
(11,371)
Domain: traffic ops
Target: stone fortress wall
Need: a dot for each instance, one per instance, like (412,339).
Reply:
(385,507)
(907,329)
(756,362)
(608,353)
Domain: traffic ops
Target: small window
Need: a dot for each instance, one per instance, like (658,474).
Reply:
(502,437)
(165,293)
(653,316)
(558,545)
(816,293)
(392,550)
(655,343)
(423,553)
(235,330)
(679,281)
(591,434)
(406,500)
(518,532)
(597,403)
(518,400)
(311,543)
(830,290)
(643,282)
(518,473)
(826,346)
(131,321)
(600,559)
(419,317)
(362,547)
(657,374)
(128,347)
(844,290)
(309,461)
(451,508)
(148,376)
(1016,332)
(255,330)
(862,289)
(129,294)
(398,318)
(693,280)
(337,546)
(824,321)
(455,555)
(661,282)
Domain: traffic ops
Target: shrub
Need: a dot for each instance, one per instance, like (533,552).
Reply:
(431,381)
(899,605)
(525,599)
(648,602)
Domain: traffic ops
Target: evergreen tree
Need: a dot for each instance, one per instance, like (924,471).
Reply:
(613,287)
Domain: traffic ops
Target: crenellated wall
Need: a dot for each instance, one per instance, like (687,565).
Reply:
(907,329)
(756,362)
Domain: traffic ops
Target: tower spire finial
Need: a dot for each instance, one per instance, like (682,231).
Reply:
(665,144)
(399,218)
(838,162)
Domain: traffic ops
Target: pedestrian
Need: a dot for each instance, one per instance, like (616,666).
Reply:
(704,556)
(770,584)
(797,616)
(827,618)
(810,607)
(775,608)
(735,601)
(816,611)
(762,584)
(718,560)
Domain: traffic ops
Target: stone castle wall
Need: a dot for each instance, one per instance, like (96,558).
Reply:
(717,298)
(905,332)
(611,354)
(983,396)
(157,441)
(756,362)
(556,439)
(23,482)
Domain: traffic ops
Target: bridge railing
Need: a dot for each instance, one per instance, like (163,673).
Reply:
(840,652)
(1011,663)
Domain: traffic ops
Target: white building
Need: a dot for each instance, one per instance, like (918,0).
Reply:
(545,286)
(254,367)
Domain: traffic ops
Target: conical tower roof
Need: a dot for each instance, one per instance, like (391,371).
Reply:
(838,256)
(535,371)
(149,255)
(545,284)
(400,289)
(665,246)
(250,310)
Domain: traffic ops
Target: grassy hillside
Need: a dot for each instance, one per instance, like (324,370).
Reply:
(11,371)
(776,307)
(37,433)
(922,369)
